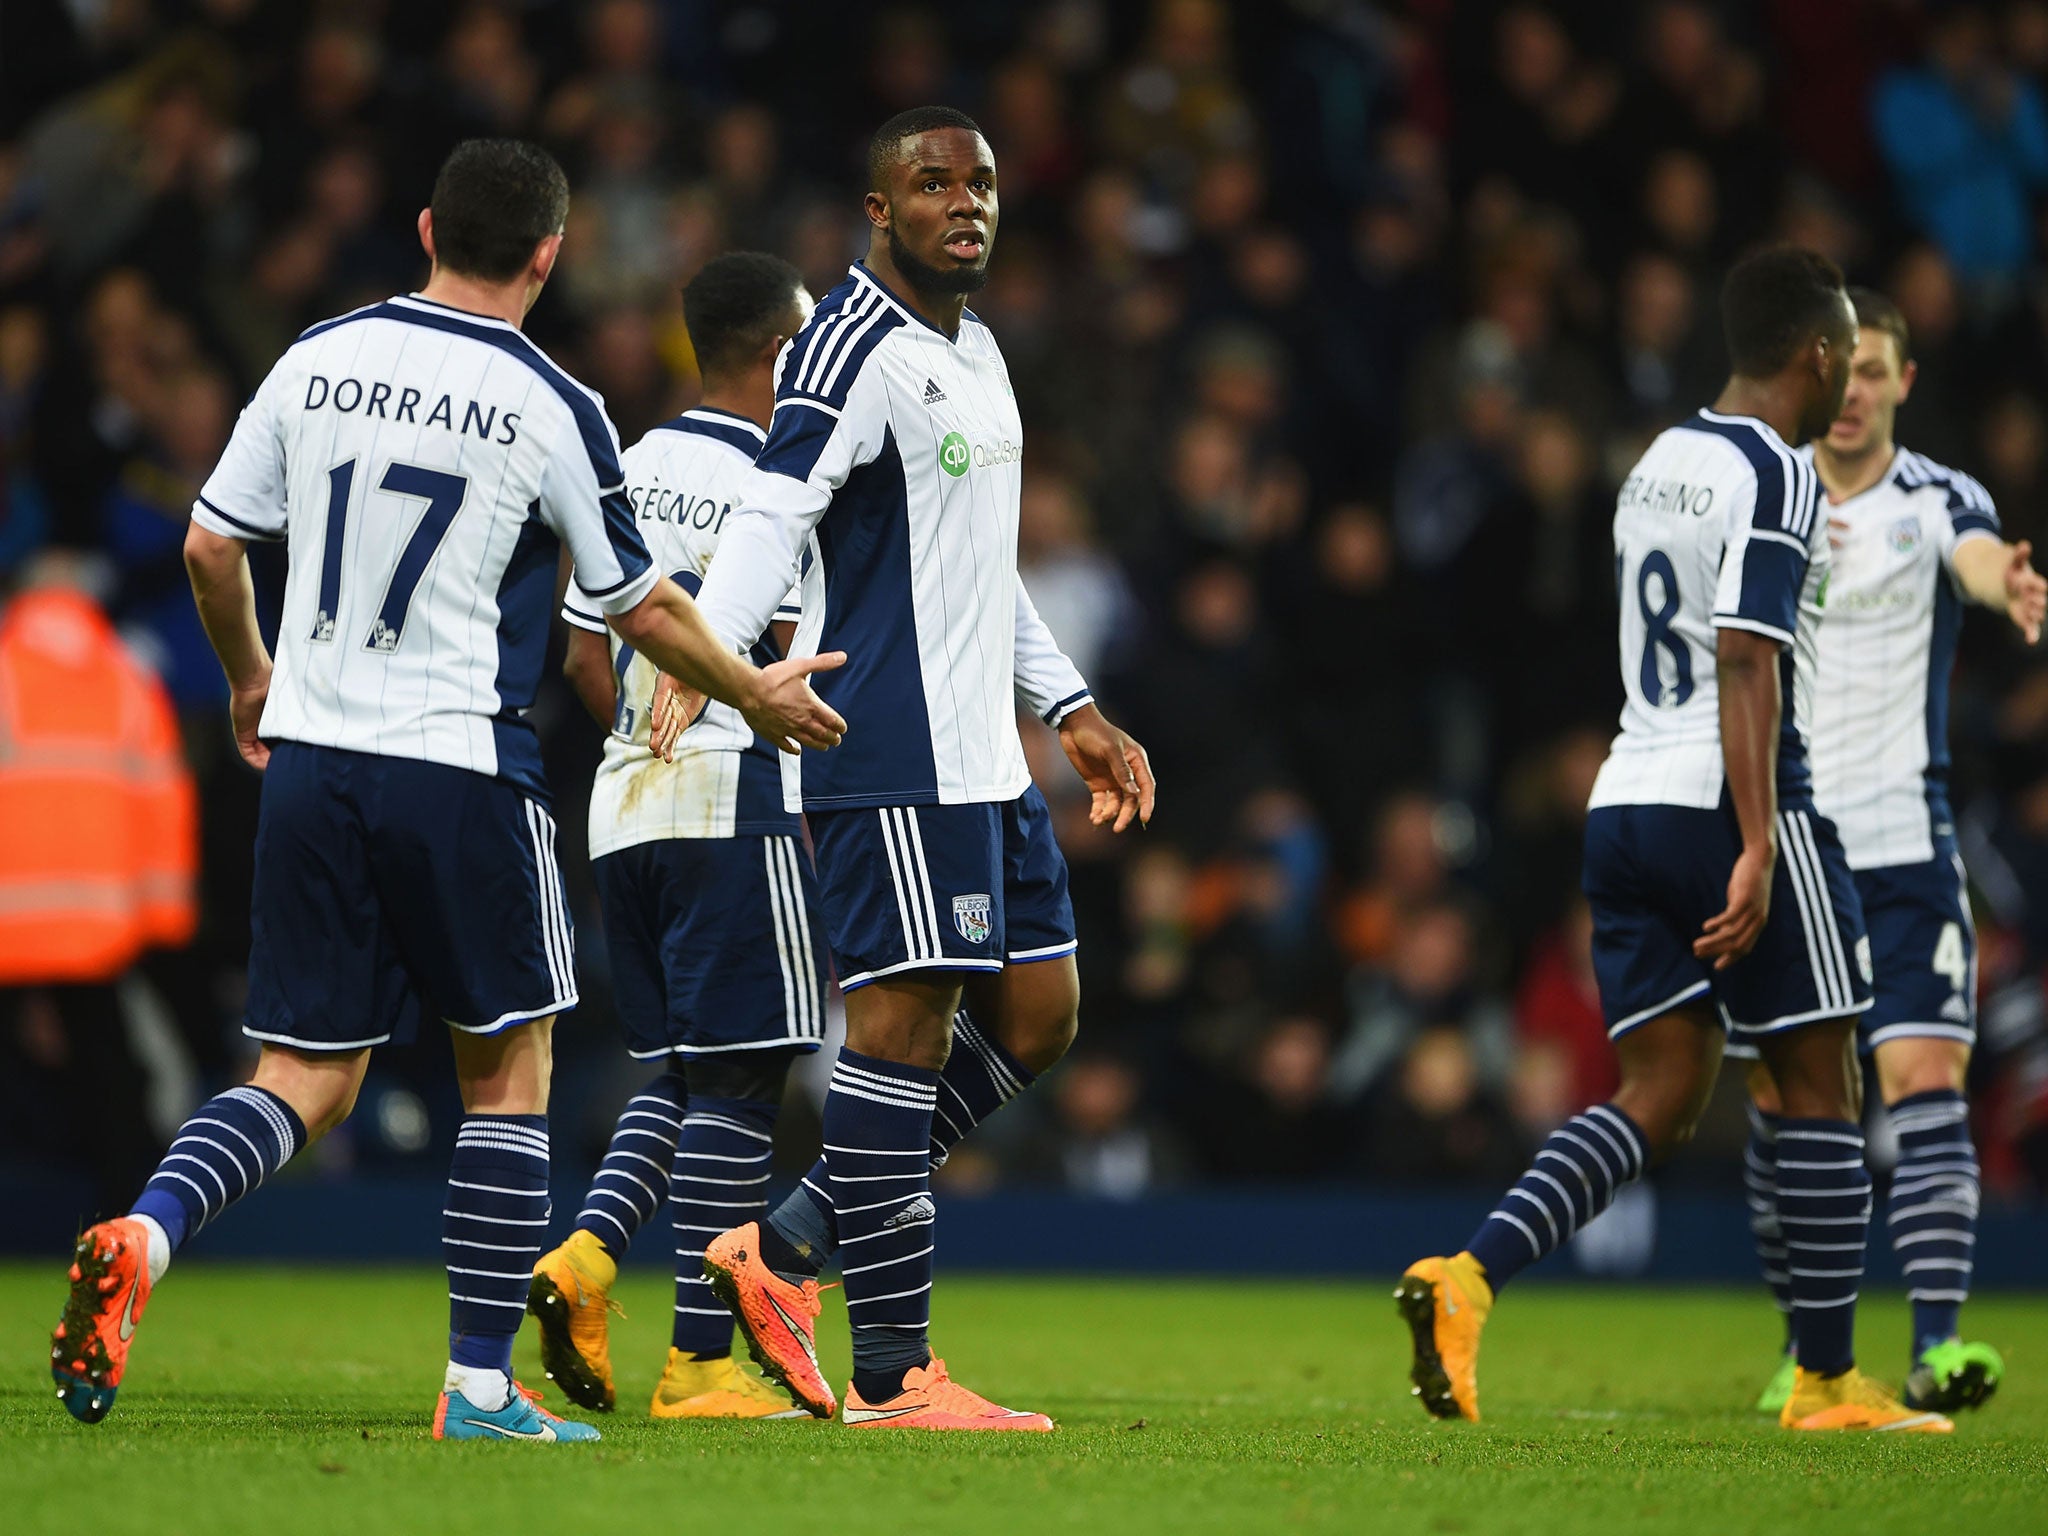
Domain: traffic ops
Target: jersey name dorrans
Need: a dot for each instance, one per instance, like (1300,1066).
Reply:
(379,399)
(1674,496)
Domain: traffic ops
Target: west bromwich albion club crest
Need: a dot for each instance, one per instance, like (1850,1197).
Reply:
(1905,534)
(970,916)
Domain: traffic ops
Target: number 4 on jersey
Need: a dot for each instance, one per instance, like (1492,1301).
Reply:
(443,494)
(1950,960)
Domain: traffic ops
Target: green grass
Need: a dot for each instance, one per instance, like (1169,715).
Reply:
(295,1402)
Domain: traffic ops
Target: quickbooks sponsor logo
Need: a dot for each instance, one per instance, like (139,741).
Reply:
(953,454)
(956,455)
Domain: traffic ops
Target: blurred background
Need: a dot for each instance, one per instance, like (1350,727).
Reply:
(1334,325)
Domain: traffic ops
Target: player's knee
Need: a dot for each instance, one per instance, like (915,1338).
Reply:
(1909,1067)
(321,1089)
(1044,1038)
(753,1077)
(1763,1089)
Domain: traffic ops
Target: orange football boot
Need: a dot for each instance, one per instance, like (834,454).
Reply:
(109,1289)
(931,1399)
(1853,1401)
(1445,1303)
(778,1318)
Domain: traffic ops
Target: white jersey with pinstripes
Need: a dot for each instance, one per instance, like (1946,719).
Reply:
(682,479)
(1716,528)
(895,454)
(1880,725)
(423,466)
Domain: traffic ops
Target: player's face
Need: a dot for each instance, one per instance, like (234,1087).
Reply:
(1834,383)
(942,211)
(1877,383)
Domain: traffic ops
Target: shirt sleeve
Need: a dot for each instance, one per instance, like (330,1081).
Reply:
(244,497)
(1769,545)
(1971,515)
(579,610)
(791,609)
(812,447)
(1047,681)
(583,499)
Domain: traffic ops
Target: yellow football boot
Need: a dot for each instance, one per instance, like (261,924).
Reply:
(1445,1303)
(1852,1401)
(717,1389)
(570,1297)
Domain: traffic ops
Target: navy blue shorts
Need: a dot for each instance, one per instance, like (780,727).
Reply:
(1924,946)
(715,944)
(386,888)
(1654,875)
(942,888)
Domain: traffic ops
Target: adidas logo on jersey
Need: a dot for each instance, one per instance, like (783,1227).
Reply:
(1956,1009)
(933,395)
(920,1209)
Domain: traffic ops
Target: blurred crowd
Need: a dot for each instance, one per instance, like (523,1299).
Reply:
(1334,325)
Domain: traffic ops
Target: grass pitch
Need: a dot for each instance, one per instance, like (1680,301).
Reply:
(296,1402)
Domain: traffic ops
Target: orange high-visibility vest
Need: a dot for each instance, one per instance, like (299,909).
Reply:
(99,832)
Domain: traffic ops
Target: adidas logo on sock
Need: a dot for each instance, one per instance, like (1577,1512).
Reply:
(932,393)
(920,1209)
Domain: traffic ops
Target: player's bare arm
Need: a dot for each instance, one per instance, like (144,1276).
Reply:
(219,570)
(1746,665)
(777,701)
(1114,766)
(2001,576)
(587,664)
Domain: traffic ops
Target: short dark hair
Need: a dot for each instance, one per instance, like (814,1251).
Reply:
(734,306)
(494,201)
(1773,303)
(1875,312)
(888,139)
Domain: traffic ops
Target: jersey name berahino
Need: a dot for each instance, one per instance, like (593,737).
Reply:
(1717,527)
(896,452)
(1880,724)
(421,463)
(682,479)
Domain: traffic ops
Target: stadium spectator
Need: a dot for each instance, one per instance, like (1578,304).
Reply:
(1331,335)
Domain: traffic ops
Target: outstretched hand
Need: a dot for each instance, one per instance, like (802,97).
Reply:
(2026,591)
(788,713)
(1116,769)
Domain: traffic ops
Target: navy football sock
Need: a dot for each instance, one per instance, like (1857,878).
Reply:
(979,1078)
(877,1125)
(491,1233)
(225,1150)
(1760,1186)
(721,1179)
(1932,1210)
(1824,1209)
(633,1180)
(1576,1175)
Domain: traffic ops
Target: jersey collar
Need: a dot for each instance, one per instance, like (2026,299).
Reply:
(1891,468)
(450,309)
(861,272)
(714,414)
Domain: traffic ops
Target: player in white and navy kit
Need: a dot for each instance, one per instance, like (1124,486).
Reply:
(710,906)
(1913,541)
(1720,897)
(424,462)
(895,458)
